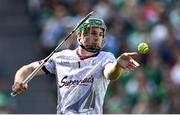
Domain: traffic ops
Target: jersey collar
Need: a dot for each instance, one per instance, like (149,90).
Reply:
(85,57)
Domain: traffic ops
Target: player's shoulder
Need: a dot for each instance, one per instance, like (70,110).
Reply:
(105,53)
(66,52)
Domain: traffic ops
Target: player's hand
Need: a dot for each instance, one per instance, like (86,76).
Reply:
(126,61)
(18,88)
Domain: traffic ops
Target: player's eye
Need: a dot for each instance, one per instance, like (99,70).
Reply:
(96,34)
(101,34)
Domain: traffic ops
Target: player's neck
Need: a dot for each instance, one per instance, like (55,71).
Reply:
(84,53)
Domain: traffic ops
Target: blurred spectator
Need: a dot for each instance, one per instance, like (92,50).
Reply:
(141,92)
(168,49)
(174,16)
(102,9)
(159,34)
(154,69)
(175,72)
(53,28)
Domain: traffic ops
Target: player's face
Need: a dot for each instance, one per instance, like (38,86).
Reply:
(95,37)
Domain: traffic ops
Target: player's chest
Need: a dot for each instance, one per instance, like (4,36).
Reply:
(73,73)
(69,65)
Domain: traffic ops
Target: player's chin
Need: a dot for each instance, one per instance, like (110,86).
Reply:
(95,44)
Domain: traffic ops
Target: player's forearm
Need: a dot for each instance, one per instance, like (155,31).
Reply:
(113,71)
(22,73)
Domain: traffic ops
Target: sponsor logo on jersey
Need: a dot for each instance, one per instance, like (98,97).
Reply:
(65,63)
(67,83)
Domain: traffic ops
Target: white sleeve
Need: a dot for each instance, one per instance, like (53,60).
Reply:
(50,65)
(109,58)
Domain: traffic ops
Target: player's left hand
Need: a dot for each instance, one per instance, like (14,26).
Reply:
(126,61)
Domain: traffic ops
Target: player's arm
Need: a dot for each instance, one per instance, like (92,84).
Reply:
(22,74)
(24,71)
(112,71)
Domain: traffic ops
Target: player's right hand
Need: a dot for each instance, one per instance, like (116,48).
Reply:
(18,88)
(126,61)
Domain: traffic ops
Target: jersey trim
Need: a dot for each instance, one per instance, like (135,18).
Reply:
(84,57)
(45,70)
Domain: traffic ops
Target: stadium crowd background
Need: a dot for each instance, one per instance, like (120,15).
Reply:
(155,86)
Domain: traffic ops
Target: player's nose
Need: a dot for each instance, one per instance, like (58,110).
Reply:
(95,38)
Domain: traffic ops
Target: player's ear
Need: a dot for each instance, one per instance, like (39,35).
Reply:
(78,34)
